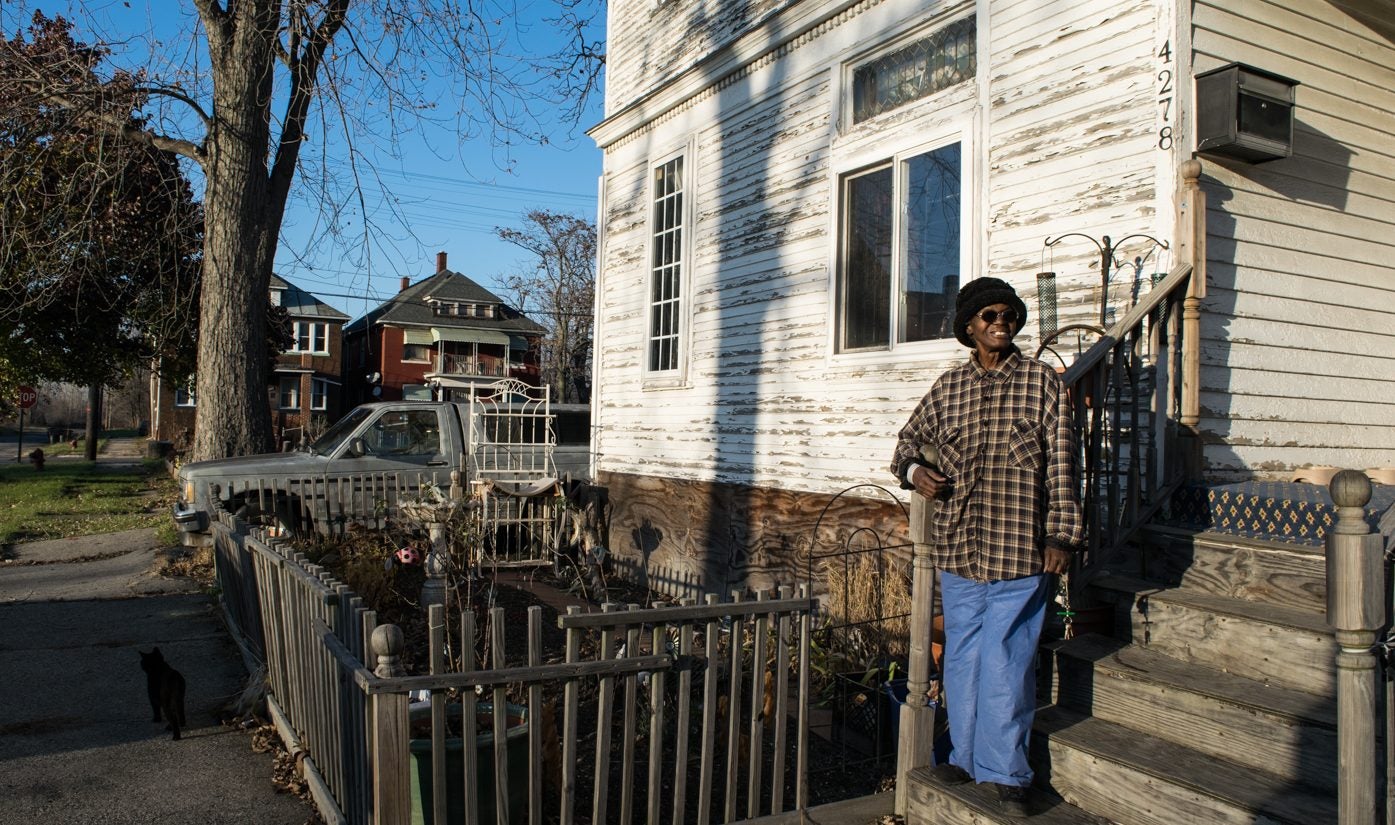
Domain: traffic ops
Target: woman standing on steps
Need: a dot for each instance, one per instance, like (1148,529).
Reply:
(1008,517)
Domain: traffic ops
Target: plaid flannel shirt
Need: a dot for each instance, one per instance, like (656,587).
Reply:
(1005,443)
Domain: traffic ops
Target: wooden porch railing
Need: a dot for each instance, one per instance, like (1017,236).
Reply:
(1124,399)
(714,687)
(1135,407)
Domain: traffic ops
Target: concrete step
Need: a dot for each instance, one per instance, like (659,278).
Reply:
(931,803)
(1268,643)
(1136,779)
(1275,572)
(1288,733)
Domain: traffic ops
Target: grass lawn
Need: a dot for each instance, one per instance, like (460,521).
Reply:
(55,450)
(78,498)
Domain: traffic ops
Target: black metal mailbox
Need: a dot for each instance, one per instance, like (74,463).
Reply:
(1244,113)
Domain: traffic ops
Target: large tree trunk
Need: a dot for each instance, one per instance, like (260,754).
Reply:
(240,222)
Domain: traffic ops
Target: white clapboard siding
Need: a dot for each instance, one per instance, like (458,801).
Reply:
(1298,256)
(648,41)
(1303,361)
(1319,410)
(1072,143)
(1262,384)
(1298,357)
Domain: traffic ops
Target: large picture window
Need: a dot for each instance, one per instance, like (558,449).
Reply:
(900,257)
(311,336)
(666,267)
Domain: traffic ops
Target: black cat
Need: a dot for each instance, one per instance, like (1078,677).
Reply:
(166,689)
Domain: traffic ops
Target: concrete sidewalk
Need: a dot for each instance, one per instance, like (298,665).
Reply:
(76,741)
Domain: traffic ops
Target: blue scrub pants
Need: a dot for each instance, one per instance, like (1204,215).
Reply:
(991,635)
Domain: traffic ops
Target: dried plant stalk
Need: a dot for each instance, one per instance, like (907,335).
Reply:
(872,590)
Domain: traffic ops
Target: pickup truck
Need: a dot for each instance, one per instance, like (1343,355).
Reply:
(513,442)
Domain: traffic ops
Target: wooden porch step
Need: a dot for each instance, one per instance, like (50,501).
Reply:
(1257,570)
(931,803)
(1268,643)
(1136,779)
(1286,732)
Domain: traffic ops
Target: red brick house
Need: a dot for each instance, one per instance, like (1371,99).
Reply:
(306,393)
(438,339)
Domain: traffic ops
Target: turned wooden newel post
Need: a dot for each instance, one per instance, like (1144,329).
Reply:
(916,735)
(1191,235)
(392,800)
(1355,609)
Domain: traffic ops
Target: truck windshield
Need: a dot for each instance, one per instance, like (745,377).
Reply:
(342,429)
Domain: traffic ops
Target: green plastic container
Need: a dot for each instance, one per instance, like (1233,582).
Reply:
(517,761)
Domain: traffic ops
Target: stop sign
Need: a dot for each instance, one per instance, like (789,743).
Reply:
(27,397)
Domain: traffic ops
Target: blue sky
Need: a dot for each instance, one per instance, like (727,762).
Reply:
(450,196)
(450,207)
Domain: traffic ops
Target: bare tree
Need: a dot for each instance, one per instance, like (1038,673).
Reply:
(248,86)
(559,292)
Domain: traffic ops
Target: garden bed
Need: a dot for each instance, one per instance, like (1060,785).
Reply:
(840,767)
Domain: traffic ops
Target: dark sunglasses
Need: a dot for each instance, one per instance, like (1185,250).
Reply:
(991,316)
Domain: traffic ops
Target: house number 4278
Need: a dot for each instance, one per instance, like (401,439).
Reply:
(1165,95)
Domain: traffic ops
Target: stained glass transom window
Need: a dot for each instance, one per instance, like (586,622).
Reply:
(916,70)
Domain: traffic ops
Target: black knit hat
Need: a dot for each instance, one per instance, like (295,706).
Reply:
(980,293)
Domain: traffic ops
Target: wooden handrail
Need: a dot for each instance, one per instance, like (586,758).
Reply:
(1101,349)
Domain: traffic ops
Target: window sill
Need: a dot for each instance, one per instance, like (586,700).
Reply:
(664,383)
(903,355)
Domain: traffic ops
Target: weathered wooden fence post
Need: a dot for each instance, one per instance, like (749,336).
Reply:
(1356,610)
(917,731)
(392,802)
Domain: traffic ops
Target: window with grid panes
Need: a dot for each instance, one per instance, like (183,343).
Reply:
(930,64)
(666,267)
(311,336)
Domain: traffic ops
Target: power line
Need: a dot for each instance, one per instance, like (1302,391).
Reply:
(419,302)
(589,196)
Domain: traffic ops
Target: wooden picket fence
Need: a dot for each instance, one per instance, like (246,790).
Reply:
(686,713)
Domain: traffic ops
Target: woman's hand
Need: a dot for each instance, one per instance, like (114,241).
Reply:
(929,482)
(1056,560)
